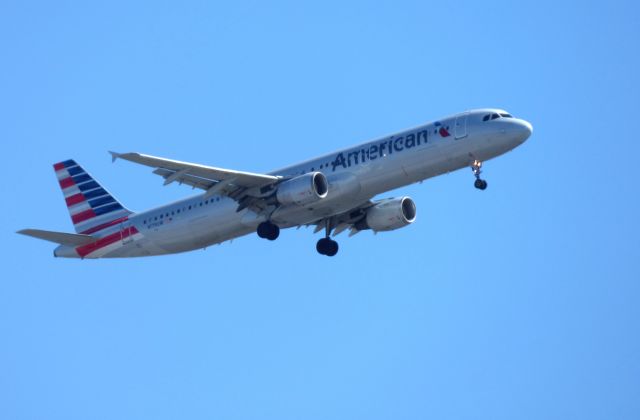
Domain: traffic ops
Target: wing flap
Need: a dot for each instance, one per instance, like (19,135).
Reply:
(343,221)
(191,180)
(62,238)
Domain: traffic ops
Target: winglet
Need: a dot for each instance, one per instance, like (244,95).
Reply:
(114,156)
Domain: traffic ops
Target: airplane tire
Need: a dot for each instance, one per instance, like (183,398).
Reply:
(268,230)
(263,230)
(480,184)
(326,246)
(333,248)
(321,246)
(274,232)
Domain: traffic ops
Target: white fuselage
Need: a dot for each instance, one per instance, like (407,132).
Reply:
(355,175)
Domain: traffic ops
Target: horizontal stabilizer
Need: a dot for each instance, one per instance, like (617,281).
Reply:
(62,238)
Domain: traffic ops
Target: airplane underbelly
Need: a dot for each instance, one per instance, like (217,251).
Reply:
(141,248)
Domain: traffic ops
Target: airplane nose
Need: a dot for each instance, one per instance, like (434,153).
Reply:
(524,130)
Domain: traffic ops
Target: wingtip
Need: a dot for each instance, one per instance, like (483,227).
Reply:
(114,156)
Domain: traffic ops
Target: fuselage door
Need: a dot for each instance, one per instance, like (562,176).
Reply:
(461,126)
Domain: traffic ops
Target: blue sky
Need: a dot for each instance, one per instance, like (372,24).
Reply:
(517,302)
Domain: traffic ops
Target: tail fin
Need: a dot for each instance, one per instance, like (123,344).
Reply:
(91,207)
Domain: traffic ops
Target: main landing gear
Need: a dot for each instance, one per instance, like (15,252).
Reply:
(480,184)
(327,246)
(268,230)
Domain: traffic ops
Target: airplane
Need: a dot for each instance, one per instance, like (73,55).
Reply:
(333,192)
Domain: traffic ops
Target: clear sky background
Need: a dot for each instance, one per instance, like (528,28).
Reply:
(519,302)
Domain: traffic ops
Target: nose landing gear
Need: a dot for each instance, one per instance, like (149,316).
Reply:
(480,184)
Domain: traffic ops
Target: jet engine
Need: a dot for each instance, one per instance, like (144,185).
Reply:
(303,190)
(390,214)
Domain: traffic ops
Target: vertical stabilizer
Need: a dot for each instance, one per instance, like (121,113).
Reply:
(91,207)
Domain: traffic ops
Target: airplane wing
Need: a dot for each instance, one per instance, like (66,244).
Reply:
(208,178)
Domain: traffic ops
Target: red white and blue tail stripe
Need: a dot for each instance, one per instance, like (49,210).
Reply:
(91,207)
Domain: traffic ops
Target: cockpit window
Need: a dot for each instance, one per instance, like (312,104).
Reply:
(496,116)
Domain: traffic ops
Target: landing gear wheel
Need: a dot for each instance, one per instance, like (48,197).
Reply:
(274,233)
(321,246)
(480,184)
(268,230)
(327,246)
(333,248)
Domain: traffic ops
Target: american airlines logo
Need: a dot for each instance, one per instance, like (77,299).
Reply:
(395,144)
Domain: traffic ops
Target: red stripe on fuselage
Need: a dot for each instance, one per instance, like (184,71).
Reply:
(74,199)
(104,226)
(81,217)
(66,183)
(85,250)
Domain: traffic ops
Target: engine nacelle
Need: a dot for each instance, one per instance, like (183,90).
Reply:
(303,189)
(389,214)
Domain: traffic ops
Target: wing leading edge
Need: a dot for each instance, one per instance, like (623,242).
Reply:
(211,179)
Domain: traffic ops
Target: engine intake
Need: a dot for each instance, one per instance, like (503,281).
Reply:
(302,190)
(390,214)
